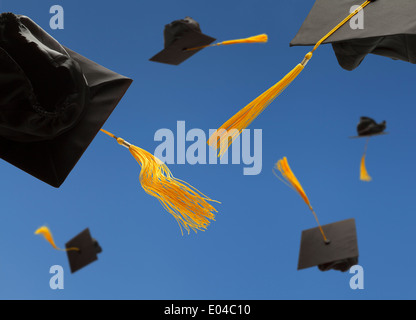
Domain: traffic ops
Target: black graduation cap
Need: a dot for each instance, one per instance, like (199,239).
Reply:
(389,30)
(53,101)
(368,127)
(339,253)
(88,248)
(180,35)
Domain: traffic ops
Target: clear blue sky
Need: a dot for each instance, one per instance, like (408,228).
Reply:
(251,250)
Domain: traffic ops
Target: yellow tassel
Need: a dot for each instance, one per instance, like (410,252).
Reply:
(283,167)
(46,233)
(364,176)
(287,173)
(261,38)
(189,206)
(242,119)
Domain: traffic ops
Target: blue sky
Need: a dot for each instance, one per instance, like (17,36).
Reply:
(251,250)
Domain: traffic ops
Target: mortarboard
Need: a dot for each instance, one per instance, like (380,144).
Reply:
(180,35)
(389,30)
(183,38)
(82,250)
(88,250)
(333,246)
(53,101)
(339,253)
(368,128)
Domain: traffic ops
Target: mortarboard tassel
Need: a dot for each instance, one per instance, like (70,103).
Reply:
(189,206)
(291,181)
(261,38)
(233,127)
(364,176)
(48,236)
(245,116)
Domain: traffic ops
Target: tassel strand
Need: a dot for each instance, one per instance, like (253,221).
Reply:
(189,206)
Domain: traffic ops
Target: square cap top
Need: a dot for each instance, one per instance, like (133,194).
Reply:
(88,250)
(340,254)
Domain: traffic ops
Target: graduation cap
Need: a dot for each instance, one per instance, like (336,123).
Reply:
(339,253)
(183,38)
(333,246)
(233,127)
(389,30)
(368,128)
(53,101)
(82,250)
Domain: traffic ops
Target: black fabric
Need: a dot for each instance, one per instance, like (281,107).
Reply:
(341,265)
(88,250)
(176,29)
(42,90)
(368,127)
(340,254)
(351,53)
(180,35)
(389,30)
(53,101)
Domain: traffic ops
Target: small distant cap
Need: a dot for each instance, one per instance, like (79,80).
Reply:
(341,253)
(179,36)
(88,250)
(368,127)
